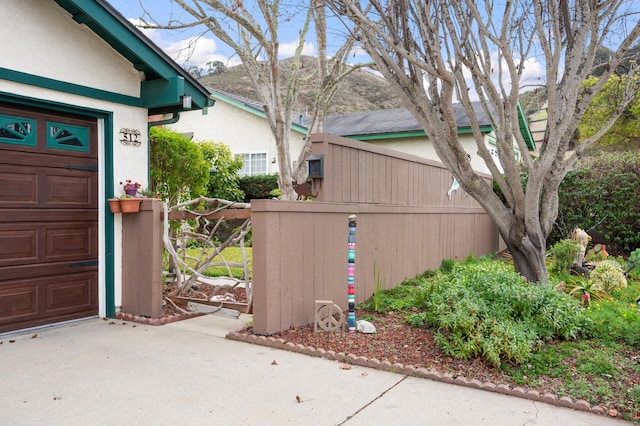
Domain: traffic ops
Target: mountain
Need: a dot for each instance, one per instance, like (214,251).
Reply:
(360,91)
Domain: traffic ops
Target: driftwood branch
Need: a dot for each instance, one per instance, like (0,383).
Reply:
(200,221)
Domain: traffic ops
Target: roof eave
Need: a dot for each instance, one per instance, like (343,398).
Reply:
(162,89)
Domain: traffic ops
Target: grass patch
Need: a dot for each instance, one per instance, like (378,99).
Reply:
(232,255)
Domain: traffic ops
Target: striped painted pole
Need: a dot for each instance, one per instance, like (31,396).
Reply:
(351,294)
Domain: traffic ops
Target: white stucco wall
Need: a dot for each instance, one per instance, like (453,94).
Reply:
(40,38)
(240,130)
(70,52)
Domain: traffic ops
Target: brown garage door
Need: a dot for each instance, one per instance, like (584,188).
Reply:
(48,217)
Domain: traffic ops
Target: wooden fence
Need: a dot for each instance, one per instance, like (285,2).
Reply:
(406,223)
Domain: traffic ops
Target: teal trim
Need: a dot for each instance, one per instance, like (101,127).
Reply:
(17,130)
(412,134)
(109,218)
(109,232)
(67,137)
(162,93)
(255,111)
(63,86)
(524,129)
(167,102)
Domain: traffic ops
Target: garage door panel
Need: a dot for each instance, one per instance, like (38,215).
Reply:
(39,301)
(29,243)
(47,188)
(70,191)
(75,293)
(72,242)
(17,188)
(18,245)
(18,301)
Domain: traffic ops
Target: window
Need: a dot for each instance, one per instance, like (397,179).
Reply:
(255,163)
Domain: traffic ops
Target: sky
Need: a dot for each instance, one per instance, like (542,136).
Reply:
(193,45)
(196,47)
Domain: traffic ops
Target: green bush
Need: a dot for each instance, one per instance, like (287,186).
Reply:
(224,183)
(447,265)
(486,309)
(178,169)
(258,187)
(564,254)
(608,274)
(599,196)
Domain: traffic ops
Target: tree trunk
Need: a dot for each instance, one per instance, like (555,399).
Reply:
(529,252)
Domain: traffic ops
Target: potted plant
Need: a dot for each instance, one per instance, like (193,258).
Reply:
(129,202)
(114,205)
(130,187)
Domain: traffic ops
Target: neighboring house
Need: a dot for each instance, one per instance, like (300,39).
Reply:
(241,124)
(398,129)
(77,85)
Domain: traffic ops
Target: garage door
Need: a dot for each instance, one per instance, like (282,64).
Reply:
(48,217)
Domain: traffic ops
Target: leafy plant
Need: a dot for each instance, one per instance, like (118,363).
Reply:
(447,265)
(178,169)
(609,276)
(564,254)
(585,290)
(486,309)
(224,181)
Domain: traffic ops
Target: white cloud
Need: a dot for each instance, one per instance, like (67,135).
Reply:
(153,34)
(193,51)
(287,50)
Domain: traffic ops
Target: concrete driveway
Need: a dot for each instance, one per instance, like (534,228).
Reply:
(111,372)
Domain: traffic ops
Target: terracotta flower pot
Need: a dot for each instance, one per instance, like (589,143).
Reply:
(114,205)
(130,205)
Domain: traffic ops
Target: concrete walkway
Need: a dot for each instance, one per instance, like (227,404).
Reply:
(98,372)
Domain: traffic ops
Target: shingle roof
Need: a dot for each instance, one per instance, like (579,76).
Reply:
(380,122)
(391,121)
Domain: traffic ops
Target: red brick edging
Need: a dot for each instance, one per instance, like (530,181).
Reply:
(155,321)
(410,370)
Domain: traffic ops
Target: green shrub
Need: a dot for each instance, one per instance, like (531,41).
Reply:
(224,182)
(258,187)
(400,298)
(564,254)
(609,276)
(446,265)
(178,169)
(486,309)
(598,195)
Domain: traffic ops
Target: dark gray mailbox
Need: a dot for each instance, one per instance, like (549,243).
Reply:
(316,166)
